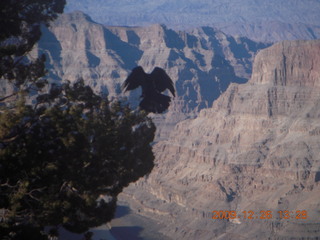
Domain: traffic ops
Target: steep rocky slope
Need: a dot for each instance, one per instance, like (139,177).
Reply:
(202,63)
(257,149)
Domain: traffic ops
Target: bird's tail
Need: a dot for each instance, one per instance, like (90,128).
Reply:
(156,103)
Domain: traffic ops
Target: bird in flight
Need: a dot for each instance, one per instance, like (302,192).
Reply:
(152,85)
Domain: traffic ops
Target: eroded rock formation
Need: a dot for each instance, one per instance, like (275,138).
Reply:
(202,62)
(257,149)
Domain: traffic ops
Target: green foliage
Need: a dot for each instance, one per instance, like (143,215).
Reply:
(19,30)
(65,160)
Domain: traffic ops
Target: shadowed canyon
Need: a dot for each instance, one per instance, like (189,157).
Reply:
(243,133)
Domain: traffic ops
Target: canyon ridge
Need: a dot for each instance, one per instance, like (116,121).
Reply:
(202,63)
(257,149)
(226,143)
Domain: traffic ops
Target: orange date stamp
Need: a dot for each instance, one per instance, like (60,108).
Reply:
(264,214)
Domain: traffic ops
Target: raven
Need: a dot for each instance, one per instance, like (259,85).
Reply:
(152,85)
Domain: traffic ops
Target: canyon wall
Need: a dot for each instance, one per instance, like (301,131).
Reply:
(257,149)
(202,62)
(243,146)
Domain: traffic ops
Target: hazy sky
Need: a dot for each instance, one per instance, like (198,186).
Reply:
(136,12)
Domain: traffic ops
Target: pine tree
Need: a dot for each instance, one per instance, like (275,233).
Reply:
(65,157)
(19,30)
(65,161)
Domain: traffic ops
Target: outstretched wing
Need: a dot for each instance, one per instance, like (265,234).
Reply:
(162,80)
(135,79)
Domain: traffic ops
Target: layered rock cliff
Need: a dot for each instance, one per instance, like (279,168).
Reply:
(257,149)
(202,62)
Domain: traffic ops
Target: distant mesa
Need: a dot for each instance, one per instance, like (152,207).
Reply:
(270,21)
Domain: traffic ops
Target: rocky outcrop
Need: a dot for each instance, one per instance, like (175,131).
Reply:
(257,149)
(202,63)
